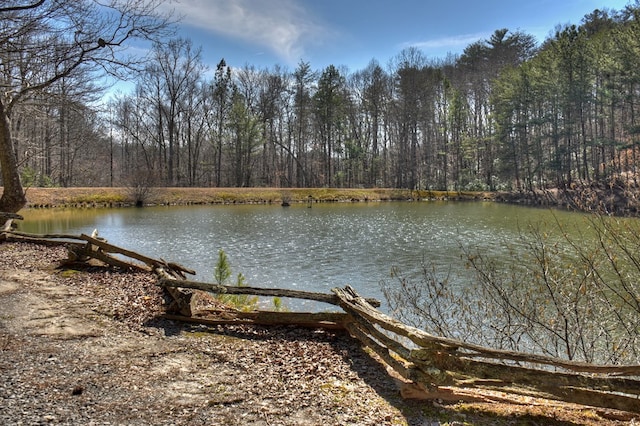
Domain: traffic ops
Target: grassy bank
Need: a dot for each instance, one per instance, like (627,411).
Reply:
(100,197)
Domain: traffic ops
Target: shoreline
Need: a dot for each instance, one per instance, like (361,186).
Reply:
(96,197)
(617,199)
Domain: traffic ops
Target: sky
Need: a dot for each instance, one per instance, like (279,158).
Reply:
(350,33)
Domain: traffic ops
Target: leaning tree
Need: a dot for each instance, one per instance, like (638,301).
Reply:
(44,41)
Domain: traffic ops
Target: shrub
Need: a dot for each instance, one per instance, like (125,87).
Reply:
(221,275)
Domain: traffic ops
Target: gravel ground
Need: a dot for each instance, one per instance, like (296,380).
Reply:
(86,347)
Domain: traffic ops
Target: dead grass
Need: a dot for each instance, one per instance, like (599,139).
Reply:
(101,196)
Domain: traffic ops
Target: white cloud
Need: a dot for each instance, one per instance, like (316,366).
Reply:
(281,26)
(452,43)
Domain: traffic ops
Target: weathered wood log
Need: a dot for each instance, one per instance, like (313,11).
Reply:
(402,368)
(4,216)
(330,320)
(443,363)
(413,390)
(181,302)
(59,238)
(48,239)
(256,291)
(357,306)
(81,253)
(569,387)
(82,245)
(145,259)
(420,382)
(385,340)
(6,220)
(507,374)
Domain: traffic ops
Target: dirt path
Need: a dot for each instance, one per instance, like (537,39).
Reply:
(84,347)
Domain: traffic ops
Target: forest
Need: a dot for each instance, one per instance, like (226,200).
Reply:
(508,113)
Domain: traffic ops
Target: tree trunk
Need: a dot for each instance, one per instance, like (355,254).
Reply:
(13,198)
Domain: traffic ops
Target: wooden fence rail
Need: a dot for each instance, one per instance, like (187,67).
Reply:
(434,362)
(438,367)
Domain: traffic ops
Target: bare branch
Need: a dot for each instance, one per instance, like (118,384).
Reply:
(19,8)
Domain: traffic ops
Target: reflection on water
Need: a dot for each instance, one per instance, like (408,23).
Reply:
(304,248)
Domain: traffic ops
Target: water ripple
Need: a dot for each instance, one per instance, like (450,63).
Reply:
(309,248)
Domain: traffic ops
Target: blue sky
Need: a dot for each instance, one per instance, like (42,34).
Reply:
(265,33)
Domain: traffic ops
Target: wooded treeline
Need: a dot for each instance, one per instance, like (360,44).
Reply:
(507,113)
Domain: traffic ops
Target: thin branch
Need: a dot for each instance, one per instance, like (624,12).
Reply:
(20,8)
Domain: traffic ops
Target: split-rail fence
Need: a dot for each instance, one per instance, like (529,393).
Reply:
(428,366)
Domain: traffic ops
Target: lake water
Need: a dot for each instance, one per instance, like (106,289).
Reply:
(303,248)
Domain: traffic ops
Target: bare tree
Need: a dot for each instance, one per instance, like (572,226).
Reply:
(42,42)
(178,66)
